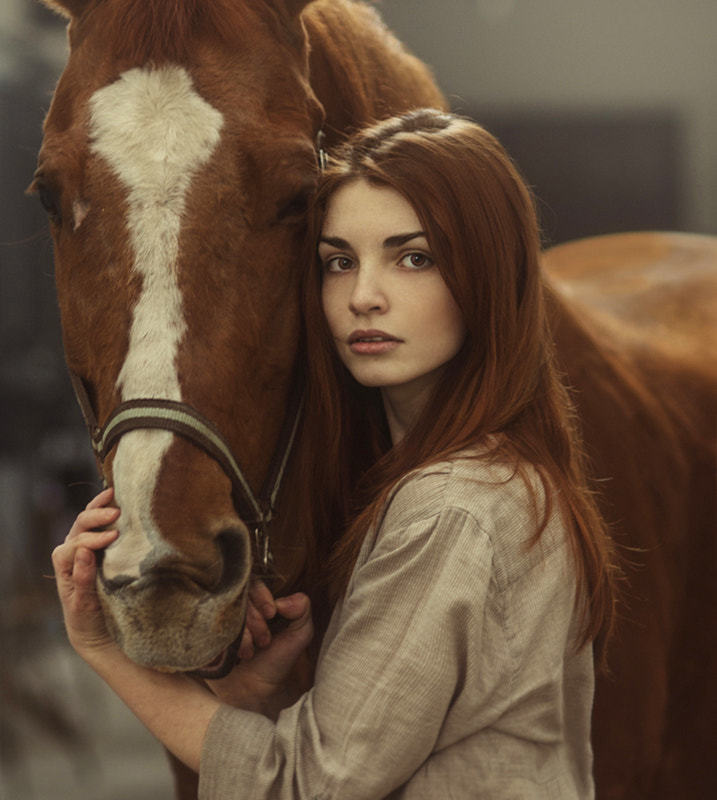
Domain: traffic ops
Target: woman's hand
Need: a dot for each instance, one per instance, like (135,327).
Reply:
(265,680)
(268,676)
(75,567)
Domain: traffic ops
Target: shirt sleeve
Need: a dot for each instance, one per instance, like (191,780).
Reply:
(393,661)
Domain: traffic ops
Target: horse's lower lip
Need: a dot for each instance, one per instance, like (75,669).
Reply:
(224,663)
(216,662)
(220,667)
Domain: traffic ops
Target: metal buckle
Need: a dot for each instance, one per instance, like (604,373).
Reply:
(321,154)
(263,549)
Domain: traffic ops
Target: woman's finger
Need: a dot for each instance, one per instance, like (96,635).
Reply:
(102,499)
(92,519)
(64,555)
(262,598)
(94,540)
(84,619)
(256,624)
(296,608)
(84,571)
(62,561)
(246,648)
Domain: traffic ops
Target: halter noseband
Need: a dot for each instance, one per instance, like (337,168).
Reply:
(183,420)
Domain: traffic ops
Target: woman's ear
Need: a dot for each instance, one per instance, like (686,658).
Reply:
(68,8)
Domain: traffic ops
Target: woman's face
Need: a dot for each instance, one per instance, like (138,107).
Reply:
(392,316)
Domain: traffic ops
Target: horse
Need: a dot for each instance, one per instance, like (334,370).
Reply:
(635,322)
(180,151)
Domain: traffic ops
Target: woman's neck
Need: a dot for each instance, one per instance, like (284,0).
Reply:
(402,405)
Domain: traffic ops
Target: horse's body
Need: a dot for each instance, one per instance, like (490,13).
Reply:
(179,152)
(636,328)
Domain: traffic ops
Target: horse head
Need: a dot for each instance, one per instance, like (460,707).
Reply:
(177,161)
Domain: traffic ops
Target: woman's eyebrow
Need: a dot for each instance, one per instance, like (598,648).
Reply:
(335,241)
(397,241)
(391,241)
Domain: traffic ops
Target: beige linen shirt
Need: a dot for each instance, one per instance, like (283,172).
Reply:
(449,671)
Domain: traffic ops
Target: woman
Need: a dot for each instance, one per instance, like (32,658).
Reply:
(477,571)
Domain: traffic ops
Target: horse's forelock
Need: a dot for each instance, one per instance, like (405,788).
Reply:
(165,30)
(156,29)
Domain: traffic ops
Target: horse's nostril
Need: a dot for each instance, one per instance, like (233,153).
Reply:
(111,584)
(231,568)
(233,546)
(115,584)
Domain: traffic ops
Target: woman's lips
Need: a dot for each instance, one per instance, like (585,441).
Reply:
(364,348)
(372,342)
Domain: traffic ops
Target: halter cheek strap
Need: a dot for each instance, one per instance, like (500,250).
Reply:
(180,418)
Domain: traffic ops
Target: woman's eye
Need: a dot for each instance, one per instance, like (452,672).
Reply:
(416,261)
(338,264)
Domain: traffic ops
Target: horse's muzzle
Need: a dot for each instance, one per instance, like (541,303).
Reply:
(168,620)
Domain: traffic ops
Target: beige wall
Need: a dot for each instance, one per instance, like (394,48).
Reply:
(584,54)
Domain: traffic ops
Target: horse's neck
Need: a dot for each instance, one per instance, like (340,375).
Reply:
(587,350)
(619,384)
(359,71)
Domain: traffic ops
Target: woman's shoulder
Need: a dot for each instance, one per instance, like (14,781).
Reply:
(502,502)
(471,481)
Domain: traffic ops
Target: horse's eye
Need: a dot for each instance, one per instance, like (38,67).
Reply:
(49,197)
(295,207)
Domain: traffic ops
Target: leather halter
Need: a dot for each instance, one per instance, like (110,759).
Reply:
(255,511)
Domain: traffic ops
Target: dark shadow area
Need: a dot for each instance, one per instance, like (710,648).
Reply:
(62,733)
(597,171)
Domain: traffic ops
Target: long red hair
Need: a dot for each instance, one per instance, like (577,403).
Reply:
(480,222)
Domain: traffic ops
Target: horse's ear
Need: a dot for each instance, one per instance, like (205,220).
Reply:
(68,8)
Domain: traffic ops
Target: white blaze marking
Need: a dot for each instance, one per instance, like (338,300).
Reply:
(155,132)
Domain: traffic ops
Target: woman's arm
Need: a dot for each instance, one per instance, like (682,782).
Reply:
(384,683)
(388,672)
(174,708)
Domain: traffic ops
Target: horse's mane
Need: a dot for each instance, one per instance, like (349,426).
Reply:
(164,30)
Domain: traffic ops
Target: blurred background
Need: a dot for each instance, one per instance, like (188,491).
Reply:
(610,110)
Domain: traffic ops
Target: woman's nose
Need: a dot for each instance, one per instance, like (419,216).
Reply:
(367,294)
